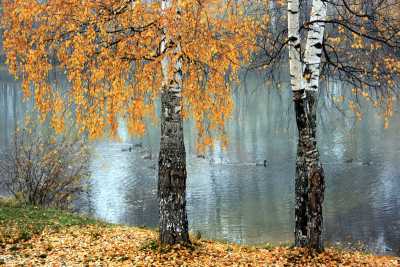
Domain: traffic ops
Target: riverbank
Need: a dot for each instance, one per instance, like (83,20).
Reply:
(30,235)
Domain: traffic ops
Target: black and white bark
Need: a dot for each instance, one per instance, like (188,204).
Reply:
(296,82)
(315,172)
(305,73)
(172,159)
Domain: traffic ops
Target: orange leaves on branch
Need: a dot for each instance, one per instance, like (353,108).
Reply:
(57,121)
(216,40)
(111,54)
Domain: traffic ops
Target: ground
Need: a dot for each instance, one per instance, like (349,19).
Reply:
(32,236)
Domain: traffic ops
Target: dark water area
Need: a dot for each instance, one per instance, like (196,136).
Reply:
(230,196)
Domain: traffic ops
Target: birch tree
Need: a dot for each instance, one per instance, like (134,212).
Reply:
(339,46)
(119,57)
(304,74)
(172,158)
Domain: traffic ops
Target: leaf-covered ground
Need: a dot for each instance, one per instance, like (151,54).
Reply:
(126,246)
(69,240)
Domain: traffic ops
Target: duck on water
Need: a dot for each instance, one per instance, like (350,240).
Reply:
(264,163)
(130,148)
(127,149)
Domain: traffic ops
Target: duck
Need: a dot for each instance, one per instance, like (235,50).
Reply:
(367,163)
(262,164)
(201,156)
(148,156)
(138,145)
(127,149)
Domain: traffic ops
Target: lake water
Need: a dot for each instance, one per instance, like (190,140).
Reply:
(229,197)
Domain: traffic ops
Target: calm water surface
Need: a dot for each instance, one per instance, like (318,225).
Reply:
(229,197)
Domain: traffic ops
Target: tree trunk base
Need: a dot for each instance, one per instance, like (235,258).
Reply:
(173,220)
(309,180)
(172,173)
(315,197)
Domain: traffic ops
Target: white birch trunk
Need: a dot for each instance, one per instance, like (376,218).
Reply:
(165,4)
(313,51)
(295,66)
(295,71)
(315,172)
(304,78)
(172,158)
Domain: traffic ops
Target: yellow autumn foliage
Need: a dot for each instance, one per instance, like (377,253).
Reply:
(111,54)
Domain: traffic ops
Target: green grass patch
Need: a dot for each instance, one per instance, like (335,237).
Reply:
(21,222)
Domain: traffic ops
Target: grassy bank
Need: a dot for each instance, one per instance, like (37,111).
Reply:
(20,223)
(35,236)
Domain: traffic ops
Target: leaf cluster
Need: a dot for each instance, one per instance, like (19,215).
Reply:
(111,53)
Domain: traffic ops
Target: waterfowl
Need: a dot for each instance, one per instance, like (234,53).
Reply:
(349,160)
(127,149)
(367,163)
(148,156)
(262,164)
